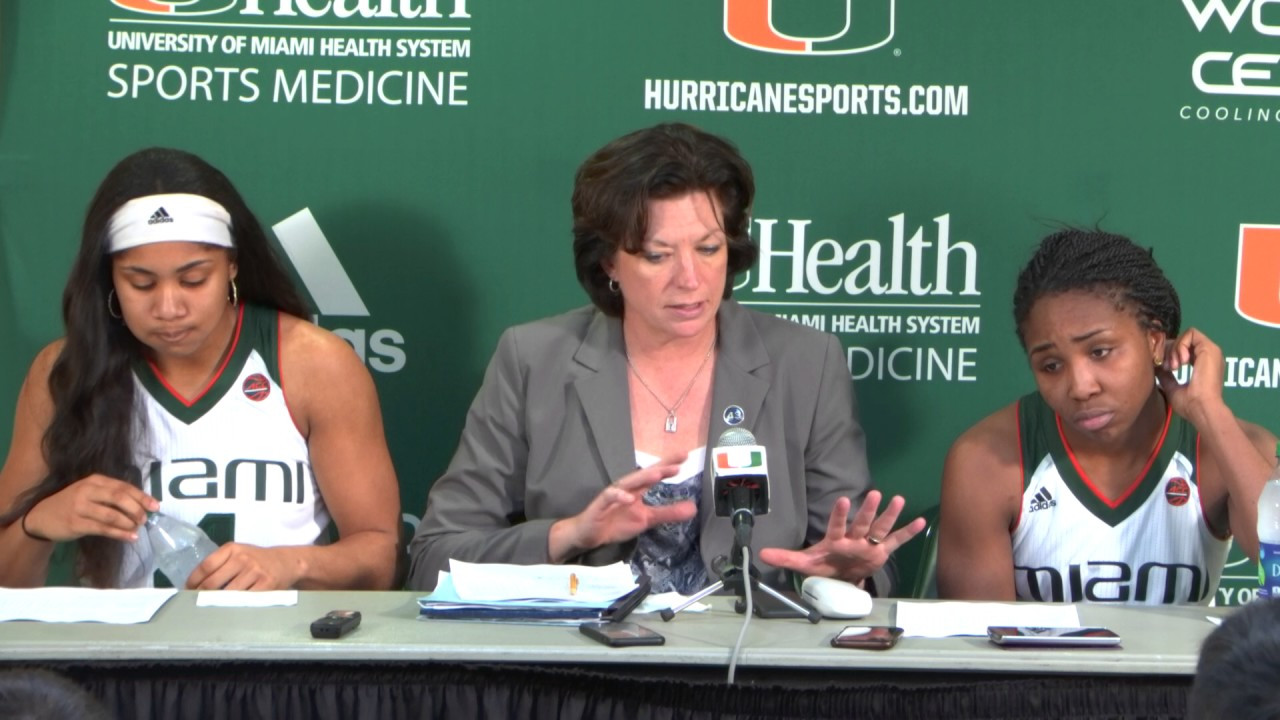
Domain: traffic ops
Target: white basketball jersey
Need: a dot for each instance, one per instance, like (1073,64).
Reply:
(1150,546)
(230,460)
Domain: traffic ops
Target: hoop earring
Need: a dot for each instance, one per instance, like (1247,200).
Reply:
(110,296)
(235,294)
(613,286)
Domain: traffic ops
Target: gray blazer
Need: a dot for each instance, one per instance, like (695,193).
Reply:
(550,428)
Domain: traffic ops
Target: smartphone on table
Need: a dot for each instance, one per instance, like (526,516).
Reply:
(335,624)
(1053,637)
(620,634)
(867,637)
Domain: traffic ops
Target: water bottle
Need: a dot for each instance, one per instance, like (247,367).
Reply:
(177,547)
(1269,534)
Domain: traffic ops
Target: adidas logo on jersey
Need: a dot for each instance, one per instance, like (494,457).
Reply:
(1042,501)
(160,216)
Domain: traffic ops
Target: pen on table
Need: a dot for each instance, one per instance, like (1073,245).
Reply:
(573,583)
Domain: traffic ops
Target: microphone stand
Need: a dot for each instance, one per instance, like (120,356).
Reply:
(739,579)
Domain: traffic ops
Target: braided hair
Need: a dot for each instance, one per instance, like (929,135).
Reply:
(1103,263)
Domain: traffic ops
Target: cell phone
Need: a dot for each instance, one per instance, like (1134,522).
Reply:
(1055,637)
(867,637)
(620,634)
(335,624)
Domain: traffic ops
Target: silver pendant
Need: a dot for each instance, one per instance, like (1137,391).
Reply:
(671,422)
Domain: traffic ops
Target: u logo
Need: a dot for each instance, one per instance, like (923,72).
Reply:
(1258,275)
(868,24)
(176,7)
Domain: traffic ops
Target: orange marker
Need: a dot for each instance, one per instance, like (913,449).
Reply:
(573,583)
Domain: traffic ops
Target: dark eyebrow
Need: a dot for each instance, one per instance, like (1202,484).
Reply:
(1086,336)
(189,266)
(715,233)
(1077,339)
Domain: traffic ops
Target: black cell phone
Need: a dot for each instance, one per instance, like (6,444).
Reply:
(335,624)
(620,634)
(1055,637)
(867,637)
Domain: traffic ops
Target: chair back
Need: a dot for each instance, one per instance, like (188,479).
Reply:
(926,584)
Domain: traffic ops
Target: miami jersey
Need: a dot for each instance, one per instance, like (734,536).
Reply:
(1152,545)
(230,460)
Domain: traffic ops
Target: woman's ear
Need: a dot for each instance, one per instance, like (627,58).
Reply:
(1158,341)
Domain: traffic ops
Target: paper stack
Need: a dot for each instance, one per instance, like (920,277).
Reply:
(533,593)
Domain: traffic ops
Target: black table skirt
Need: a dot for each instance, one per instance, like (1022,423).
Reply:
(247,691)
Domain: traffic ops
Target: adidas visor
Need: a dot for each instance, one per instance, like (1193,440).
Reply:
(173,217)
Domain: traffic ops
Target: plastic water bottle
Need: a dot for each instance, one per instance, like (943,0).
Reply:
(177,547)
(1269,534)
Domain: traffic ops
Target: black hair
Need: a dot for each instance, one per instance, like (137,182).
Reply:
(94,426)
(614,186)
(28,694)
(1239,667)
(1100,262)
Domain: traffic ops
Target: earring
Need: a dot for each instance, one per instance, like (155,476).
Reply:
(613,286)
(1159,362)
(111,294)
(235,294)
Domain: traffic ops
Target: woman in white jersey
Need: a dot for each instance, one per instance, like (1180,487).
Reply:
(1114,482)
(184,338)
(647,377)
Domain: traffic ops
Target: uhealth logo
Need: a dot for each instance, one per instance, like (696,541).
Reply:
(292,8)
(176,7)
(1258,274)
(867,25)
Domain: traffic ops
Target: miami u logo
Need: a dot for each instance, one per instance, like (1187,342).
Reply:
(176,7)
(868,24)
(1258,274)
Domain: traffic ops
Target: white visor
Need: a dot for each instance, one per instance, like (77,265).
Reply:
(175,217)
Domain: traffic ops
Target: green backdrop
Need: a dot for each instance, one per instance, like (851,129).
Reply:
(909,154)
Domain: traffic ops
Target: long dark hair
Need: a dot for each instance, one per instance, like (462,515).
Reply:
(95,425)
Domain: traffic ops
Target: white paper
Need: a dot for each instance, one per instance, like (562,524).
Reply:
(246,598)
(67,604)
(494,582)
(944,619)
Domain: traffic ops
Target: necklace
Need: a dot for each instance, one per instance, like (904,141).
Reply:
(670,425)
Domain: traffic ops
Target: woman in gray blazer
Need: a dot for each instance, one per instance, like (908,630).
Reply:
(587,442)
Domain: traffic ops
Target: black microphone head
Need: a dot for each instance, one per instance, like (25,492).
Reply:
(737,436)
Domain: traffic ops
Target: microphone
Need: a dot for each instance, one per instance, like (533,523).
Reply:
(740,481)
